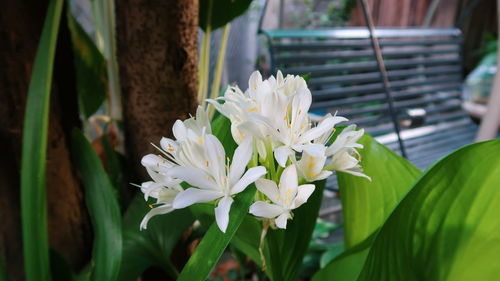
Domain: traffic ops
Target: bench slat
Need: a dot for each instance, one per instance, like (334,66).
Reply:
(317,70)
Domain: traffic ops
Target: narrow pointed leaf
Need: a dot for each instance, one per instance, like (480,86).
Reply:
(90,66)
(34,151)
(447,227)
(214,242)
(287,248)
(103,208)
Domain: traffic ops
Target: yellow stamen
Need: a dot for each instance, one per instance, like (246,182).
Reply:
(310,163)
(206,163)
(200,139)
(252,109)
(150,206)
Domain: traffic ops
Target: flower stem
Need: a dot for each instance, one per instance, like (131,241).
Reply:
(263,234)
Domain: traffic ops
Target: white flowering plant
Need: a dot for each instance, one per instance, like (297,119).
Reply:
(273,145)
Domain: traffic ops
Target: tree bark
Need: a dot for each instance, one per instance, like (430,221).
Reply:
(68,220)
(157,55)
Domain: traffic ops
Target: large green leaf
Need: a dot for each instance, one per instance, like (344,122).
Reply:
(34,152)
(103,208)
(90,66)
(366,204)
(214,242)
(447,227)
(151,246)
(218,13)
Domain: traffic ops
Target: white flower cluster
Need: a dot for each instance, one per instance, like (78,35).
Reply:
(276,139)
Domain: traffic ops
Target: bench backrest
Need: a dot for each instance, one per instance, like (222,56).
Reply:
(424,69)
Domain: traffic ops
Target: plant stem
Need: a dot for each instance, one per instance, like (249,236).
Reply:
(219,66)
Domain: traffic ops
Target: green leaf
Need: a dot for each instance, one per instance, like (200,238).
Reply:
(447,227)
(151,246)
(221,12)
(103,208)
(247,238)
(348,265)
(334,251)
(214,242)
(115,170)
(34,151)
(221,129)
(288,247)
(366,204)
(91,77)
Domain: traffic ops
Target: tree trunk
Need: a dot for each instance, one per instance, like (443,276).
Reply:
(157,55)
(68,220)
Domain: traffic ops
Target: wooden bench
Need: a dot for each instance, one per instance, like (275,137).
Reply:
(425,72)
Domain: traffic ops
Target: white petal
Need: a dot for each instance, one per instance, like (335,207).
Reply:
(168,145)
(281,154)
(255,80)
(249,177)
(303,194)
(240,160)
(216,156)
(357,172)
(155,211)
(323,127)
(265,210)
(289,182)
(281,220)
(202,119)
(192,196)
(323,175)
(193,176)
(179,130)
(300,106)
(222,212)
(150,189)
(269,188)
(155,175)
(315,150)
(151,160)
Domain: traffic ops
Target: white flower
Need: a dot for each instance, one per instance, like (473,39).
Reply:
(345,158)
(348,138)
(164,193)
(310,167)
(296,133)
(284,197)
(217,180)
